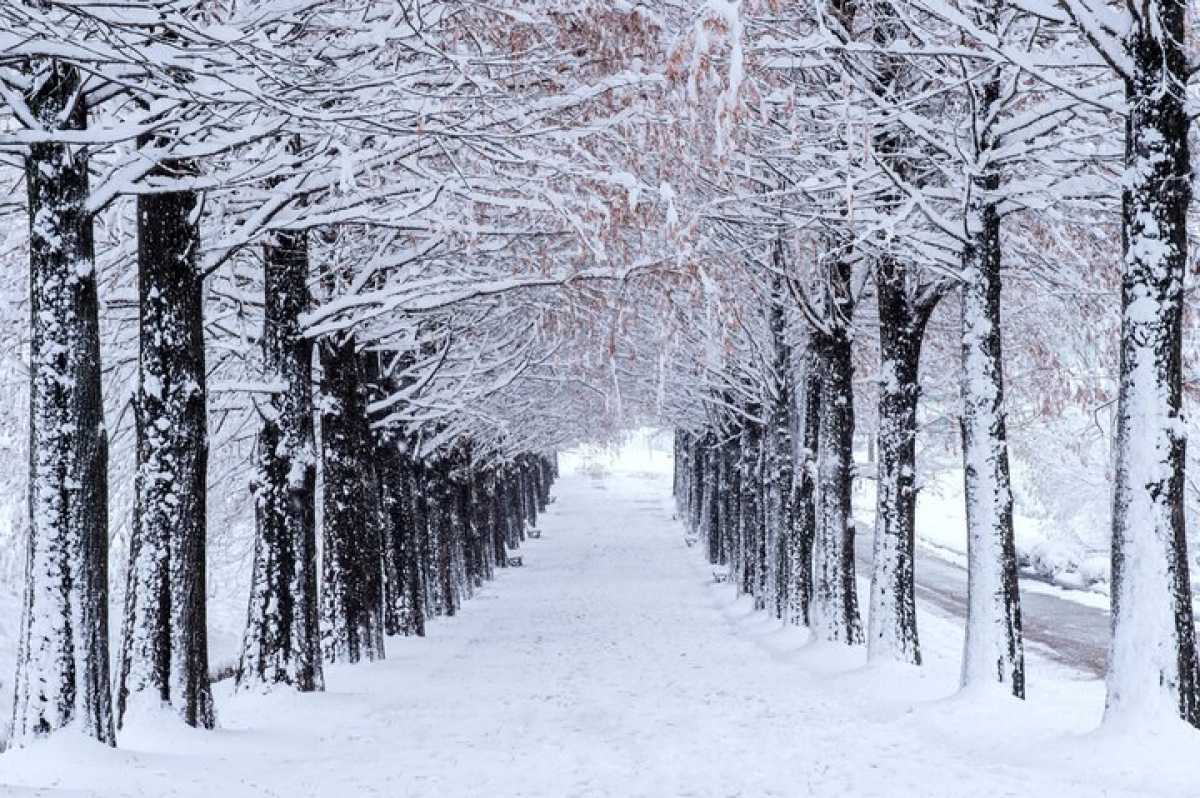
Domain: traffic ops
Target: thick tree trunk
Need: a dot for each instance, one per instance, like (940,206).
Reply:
(834,611)
(892,619)
(164,655)
(749,494)
(418,499)
(282,641)
(62,658)
(444,595)
(529,482)
(352,583)
(516,515)
(482,505)
(403,597)
(994,651)
(466,569)
(499,517)
(779,453)
(1152,667)
(679,472)
(759,588)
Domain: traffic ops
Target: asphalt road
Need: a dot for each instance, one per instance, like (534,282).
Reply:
(1066,631)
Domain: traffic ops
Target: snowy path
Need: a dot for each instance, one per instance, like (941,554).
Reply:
(610,665)
(1067,631)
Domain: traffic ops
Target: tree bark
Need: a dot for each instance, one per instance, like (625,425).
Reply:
(164,655)
(892,619)
(749,483)
(282,641)
(1152,667)
(834,611)
(993,650)
(803,526)
(352,575)
(732,501)
(62,659)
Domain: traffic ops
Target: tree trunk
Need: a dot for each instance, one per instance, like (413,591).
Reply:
(732,501)
(62,658)
(993,650)
(748,512)
(403,600)
(499,517)
(418,503)
(834,611)
(482,504)
(778,454)
(892,619)
(1152,656)
(164,655)
(352,594)
(802,529)
(710,514)
(440,498)
(282,642)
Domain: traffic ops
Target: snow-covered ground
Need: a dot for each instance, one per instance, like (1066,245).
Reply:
(612,665)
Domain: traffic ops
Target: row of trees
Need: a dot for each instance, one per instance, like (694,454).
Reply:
(880,171)
(349,234)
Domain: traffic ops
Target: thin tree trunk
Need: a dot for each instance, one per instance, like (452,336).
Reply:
(731,527)
(62,658)
(710,515)
(748,514)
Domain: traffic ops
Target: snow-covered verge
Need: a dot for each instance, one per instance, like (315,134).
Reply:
(1070,553)
(611,664)
(10,619)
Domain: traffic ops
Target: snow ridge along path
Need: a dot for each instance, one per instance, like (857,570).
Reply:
(612,665)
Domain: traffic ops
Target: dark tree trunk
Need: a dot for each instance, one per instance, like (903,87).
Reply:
(62,659)
(679,471)
(419,510)
(892,620)
(710,514)
(516,517)
(440,500)
(748,511)
(500,517)
(352,572)
(695,499)
(803,525)
(482,506)
(466,569)
(778,453)
(164,655)
(403,610)
(834,610)
(1152,667)
(731,524)
(282,642)
(529,483)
